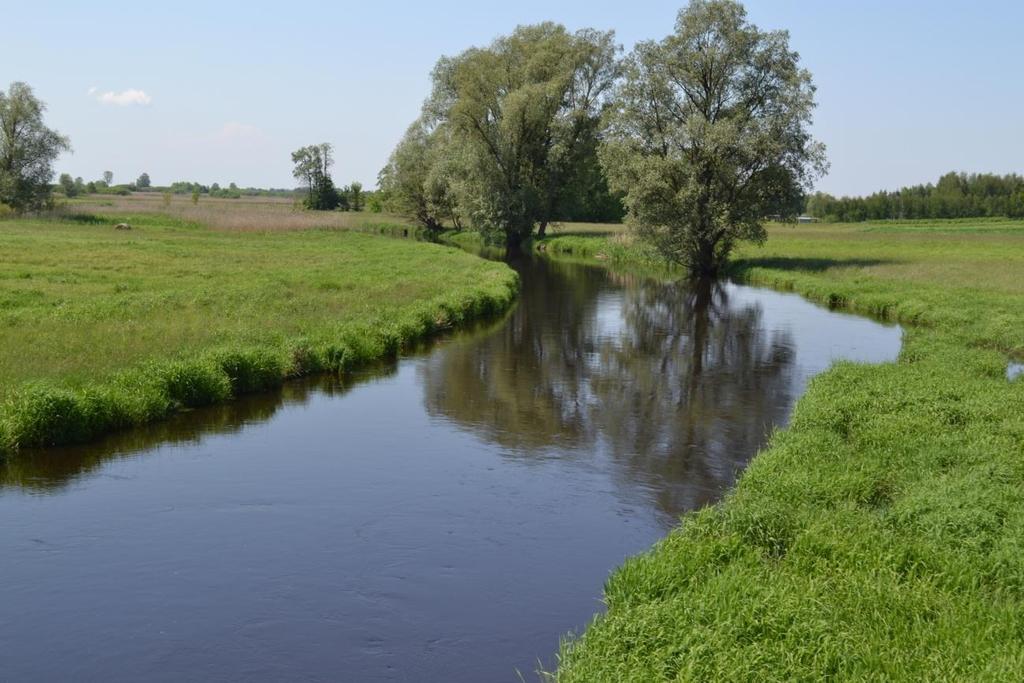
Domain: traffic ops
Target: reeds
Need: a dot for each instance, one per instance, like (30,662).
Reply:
(247,214)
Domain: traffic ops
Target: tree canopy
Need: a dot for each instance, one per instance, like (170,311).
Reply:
(710,133)
(955,195)
(68,186)
(27,150)
(517,117)
(700,136)
(313,168)
(416,178)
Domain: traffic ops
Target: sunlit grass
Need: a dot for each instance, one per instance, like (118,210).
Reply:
(982,255)
(217,312)
(881,535)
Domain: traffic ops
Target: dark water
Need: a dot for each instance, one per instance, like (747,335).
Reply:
(447,518)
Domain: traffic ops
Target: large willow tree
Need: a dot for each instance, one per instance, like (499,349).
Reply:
(710,133)
(519,115)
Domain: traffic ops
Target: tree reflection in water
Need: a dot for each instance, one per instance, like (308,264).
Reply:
(673,383)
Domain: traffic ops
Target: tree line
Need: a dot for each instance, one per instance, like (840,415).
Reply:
(955,195)
(72,187)
(695,138)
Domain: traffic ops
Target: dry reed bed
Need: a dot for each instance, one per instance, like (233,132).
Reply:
(256,214)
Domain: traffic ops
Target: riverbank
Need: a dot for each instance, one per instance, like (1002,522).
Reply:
(881,534)
(102,329)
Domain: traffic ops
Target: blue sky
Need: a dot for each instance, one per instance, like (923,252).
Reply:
(906,89)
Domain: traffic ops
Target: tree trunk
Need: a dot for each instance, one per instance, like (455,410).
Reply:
(703,292)
(542,229)
(513,240)
(705,263)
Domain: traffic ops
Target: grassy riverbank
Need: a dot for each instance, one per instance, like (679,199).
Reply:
(880,536)
(102,329)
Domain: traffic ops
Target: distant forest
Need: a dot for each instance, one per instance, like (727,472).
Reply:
(956,195)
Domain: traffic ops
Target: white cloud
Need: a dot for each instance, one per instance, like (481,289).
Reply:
(123,98)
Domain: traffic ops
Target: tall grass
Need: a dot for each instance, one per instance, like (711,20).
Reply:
(102,329)
(881,535)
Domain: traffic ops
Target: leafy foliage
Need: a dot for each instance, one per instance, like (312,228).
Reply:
(313,168)
(27,150)
(67,185)
(416,179)
(710,133)
(956,195)
(355,195)
(504,131)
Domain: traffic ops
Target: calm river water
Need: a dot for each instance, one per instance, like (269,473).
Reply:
(446,518)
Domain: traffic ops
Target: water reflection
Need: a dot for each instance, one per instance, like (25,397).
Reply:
(49,470)
(447,520)
(678,385)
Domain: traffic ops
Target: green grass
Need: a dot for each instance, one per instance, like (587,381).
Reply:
(881,535)
(102,329)
(610,243)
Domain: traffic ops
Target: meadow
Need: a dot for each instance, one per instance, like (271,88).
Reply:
(102,328)
(881,535)
(246,214)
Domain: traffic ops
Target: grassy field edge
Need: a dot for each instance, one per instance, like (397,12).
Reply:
(878,536)
(49,413)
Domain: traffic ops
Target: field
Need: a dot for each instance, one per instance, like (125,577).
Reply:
(880,536)
(984,254)
(103,328)
(247,214)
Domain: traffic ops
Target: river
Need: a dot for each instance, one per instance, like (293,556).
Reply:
(447,517)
